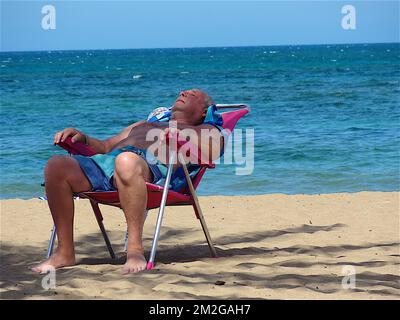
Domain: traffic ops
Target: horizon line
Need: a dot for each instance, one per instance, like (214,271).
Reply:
(204,47)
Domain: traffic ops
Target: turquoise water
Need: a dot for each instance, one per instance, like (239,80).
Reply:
(326,118)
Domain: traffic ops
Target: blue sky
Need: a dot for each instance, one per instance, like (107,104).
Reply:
(163,24)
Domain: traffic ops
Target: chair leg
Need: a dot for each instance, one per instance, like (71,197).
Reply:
(126,241)
(197,208)
(199,213)
(99,219)
(150,264)
(51,242)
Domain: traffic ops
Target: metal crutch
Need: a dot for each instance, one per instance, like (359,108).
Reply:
(51,242)
(150,264)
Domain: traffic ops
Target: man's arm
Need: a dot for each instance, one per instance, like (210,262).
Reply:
(108,144)
(205,138)
(101,146)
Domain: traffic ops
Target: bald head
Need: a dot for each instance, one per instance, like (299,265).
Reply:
(191,106)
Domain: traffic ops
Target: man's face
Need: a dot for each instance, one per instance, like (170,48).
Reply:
(190,106)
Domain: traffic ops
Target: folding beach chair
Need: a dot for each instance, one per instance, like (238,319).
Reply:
(158,197)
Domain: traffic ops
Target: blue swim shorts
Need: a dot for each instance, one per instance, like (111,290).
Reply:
(99,169)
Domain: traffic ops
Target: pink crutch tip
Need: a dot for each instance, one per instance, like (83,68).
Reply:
(150,265)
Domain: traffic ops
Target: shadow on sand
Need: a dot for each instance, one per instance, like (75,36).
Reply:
(19,282)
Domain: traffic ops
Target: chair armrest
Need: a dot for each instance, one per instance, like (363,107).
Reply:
(77,148)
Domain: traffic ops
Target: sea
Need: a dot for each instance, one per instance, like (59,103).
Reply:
(325,118)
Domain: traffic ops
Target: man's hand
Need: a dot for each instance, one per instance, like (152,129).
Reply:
(169,133)
(199,149)
(69,132)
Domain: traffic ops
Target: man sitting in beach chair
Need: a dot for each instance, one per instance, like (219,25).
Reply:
(123,164)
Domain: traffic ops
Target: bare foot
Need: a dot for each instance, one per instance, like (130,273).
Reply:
(135,262)
(55,261)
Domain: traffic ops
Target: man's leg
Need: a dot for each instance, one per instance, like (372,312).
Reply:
(63,177)
(130,176)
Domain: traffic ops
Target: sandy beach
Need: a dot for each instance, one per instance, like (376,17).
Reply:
(270,247)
